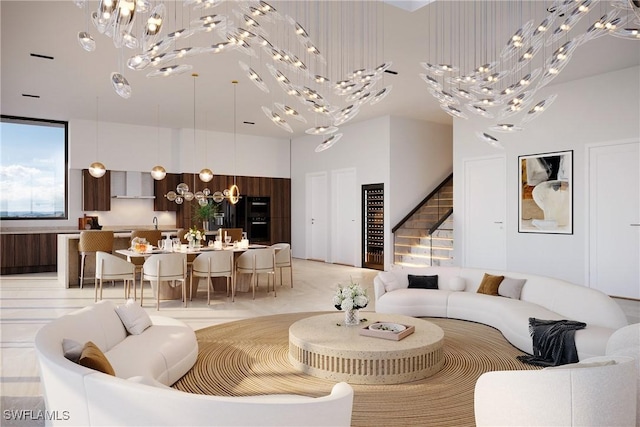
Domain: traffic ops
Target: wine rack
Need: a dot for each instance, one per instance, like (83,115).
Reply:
(373,226)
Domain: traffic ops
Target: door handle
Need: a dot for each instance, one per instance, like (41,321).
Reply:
(497,222)
(635,225)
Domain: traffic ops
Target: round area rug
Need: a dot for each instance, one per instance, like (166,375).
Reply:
(250,357)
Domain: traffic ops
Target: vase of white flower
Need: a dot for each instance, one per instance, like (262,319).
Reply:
(351,318)
(194,236)
(350,298)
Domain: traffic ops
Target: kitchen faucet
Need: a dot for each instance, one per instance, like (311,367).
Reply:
(155,222)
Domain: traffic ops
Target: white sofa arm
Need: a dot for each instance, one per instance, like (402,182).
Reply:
(114,401)
(571,396)
(378,287)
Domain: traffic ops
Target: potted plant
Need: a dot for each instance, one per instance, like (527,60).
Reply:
(202,214)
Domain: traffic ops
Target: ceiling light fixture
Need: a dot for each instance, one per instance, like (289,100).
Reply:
(135,24)
(529,60)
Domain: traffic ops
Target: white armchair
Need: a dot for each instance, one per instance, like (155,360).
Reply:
(594,392)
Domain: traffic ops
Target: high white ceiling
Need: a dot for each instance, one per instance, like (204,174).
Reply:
(70,84)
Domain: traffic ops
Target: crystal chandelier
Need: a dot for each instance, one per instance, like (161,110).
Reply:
(502,86)
(293,58)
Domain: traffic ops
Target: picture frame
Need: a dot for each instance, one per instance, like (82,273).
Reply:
(545,193)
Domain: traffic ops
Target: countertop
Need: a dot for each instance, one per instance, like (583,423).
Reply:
(68,230)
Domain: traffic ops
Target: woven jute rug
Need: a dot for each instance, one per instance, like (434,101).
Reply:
(250,357)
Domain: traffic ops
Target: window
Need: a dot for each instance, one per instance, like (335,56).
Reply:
(33,168)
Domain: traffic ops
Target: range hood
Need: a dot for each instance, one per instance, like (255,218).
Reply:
(131,185)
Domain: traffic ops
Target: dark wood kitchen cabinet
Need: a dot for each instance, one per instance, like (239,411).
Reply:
(96,192)
(29,253)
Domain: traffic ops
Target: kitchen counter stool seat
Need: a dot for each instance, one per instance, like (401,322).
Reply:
(92,241)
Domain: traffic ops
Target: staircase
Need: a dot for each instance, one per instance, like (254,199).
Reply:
(425,236)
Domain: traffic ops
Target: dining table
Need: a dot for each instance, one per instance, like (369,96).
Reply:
(241,286)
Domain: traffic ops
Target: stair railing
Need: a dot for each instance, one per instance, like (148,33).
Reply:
(423,202)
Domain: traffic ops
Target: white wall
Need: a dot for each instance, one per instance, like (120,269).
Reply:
(421,158)
(364,147)
(596,109)
(409,157)
(124,147)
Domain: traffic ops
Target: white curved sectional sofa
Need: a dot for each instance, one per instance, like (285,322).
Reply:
(541,297)
(145,365)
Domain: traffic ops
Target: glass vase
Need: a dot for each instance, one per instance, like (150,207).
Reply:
(351,318)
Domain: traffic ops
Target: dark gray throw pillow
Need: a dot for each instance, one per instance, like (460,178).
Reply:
(423,282)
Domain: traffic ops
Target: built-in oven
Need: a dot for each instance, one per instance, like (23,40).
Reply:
(259,229)
(254,216)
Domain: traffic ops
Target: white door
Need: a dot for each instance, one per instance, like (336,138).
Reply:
(317,226)
(344,208)
(484,213)
(614,219)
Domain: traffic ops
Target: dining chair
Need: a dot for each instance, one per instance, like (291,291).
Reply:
(235,233)
(152,237)
(165,268)
(213,264)
(283,259)
(255,262)
(92,241)
(111,267)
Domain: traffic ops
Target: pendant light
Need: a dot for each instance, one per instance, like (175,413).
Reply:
(233,193)
(205,174)
(97,169)
(158,172)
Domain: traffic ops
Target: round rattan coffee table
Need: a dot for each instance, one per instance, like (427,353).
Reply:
(318,346)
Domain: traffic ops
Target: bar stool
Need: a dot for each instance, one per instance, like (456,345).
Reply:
(92,241)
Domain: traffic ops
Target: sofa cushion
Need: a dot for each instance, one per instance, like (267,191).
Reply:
(92,357)
(390,281)
(457,284)
(161,355)
(423,282)
(414,302)
(511,288)
(72,349)
(134,318)
(490,284)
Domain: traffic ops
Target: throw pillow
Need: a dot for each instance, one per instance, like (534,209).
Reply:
(71,349)
(490,284)
(511,288)
(457,284)
(423,282)
(134,318)
(92,357)
(389,281)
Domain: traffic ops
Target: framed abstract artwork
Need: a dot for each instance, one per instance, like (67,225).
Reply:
(546,193)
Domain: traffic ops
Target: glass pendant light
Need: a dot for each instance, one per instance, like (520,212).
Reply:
(121,85)
(505,128)
(492,141)
(97,170)
(158,173)
(86,41)
(328,143)
(254,77)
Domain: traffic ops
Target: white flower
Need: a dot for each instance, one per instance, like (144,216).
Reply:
(350,297)
(193,234)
